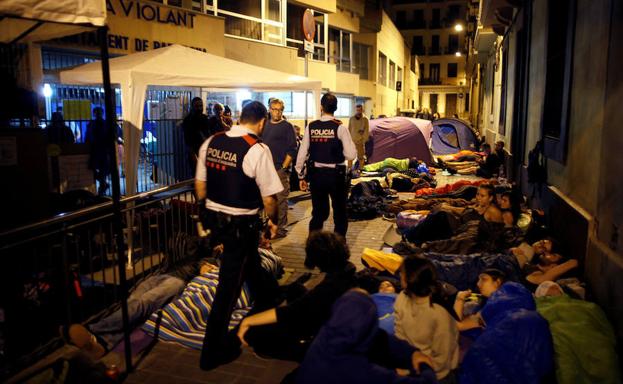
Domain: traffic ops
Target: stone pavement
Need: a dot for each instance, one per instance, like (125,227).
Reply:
(361,234)
(170,363)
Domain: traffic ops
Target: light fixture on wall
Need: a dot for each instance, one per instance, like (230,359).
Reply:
(458,27)
(457,54)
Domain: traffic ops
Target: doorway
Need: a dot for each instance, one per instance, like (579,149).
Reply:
(433,102)
(450,104)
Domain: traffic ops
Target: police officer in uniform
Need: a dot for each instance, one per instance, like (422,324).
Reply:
(236,177)
(326,147)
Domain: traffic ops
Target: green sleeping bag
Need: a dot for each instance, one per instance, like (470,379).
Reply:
(390,162)
(584,342)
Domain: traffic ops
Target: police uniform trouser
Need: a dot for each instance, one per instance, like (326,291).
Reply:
(325,183)
(240,262)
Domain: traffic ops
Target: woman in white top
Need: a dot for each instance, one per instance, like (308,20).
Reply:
(422,323)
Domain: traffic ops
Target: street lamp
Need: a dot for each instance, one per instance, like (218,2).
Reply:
(458,27)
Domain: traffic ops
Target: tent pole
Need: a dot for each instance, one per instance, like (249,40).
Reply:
(111,118)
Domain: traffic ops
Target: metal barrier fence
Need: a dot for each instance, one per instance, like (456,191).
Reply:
(65,270)
(163,156)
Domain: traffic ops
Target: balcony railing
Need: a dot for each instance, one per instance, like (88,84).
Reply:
(432,51)
(420,51)
(429,81)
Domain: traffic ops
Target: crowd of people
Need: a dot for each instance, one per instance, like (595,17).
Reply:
(439,329)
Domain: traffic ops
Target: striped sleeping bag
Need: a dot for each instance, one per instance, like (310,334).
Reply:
(184,319)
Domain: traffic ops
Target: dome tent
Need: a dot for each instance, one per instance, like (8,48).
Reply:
(451,136)
(399,137)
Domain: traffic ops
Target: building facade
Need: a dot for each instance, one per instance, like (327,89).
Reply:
(266,33)
(549,72)
(436,31)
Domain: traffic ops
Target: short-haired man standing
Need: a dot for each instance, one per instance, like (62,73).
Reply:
(359,128)
(196,129)
(279,136)
(328,144)
(235,177)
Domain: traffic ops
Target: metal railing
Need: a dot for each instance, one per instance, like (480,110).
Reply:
(65,270)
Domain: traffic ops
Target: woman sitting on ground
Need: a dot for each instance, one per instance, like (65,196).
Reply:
(286,331)
(446,220)
(422,323)
(515,345)
(484,206)
(510,209)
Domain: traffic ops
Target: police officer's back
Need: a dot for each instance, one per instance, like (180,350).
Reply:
(321,161)
(236,177)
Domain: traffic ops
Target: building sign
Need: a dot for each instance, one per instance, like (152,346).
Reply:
(137,26)
(309,25)
(151,12)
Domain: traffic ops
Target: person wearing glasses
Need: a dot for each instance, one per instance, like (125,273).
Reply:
(280,138)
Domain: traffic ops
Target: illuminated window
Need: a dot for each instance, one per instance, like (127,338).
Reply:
(382,69)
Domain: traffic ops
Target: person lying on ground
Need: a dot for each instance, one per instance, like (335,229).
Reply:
(350,348)
(285,332)
(184,320)
(446,220)
(384,300)
(393,163)
(487,166)
(548,266)
(421,322)
(483,236)
(584,341)
(462,271)
(525,252)
(98,338)
(515,345)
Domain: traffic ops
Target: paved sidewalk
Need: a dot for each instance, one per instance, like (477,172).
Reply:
(170,363)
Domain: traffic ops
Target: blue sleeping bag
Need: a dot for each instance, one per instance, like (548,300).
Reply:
(462,270)
(516,344)
(385,310)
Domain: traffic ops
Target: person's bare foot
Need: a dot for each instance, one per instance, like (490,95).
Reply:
(82,338)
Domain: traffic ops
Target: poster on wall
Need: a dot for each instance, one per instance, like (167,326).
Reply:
(76,109)
(173,108)
(155,110)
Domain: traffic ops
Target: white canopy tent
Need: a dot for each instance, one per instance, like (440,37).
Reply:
(37,20)
(176,65)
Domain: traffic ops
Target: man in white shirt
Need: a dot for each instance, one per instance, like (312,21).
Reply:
(236,177)
(327,145)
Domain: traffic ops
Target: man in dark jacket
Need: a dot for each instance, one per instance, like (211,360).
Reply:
(284,332)
(196,131)
(328,145)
